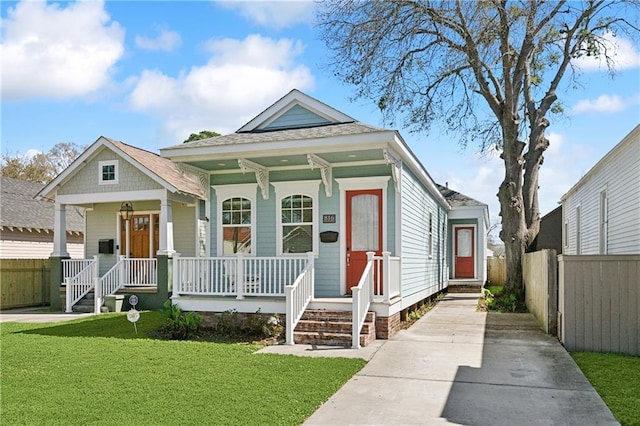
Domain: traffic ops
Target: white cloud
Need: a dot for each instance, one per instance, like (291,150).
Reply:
(604,104)
(240,79)
(165,41)
(624,53)
(50,51)
(276,14)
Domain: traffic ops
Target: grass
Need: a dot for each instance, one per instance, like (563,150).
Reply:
(617,379)
(99,371)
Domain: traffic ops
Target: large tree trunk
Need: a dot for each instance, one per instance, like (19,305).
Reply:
(514,228)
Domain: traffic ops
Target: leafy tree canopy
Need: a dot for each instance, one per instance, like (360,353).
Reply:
(205,134)
(42,167)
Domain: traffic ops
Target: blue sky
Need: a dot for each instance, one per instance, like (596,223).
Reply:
(151,73)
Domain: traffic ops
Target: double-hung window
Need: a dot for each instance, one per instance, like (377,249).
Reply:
(297,228)
(236,218)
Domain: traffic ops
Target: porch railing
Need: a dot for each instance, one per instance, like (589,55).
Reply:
(82,282)
(380,280)
(362,295)
(298,296)
(238,276)
(72,267)
(140,272)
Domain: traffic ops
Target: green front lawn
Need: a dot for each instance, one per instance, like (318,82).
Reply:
(617,379)
(98,371)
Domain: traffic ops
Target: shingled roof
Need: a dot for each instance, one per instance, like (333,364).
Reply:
(316,132)
(164,168)
(456,199)
(19,210)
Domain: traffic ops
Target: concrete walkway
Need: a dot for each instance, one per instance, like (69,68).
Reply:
(459,366)
(38,315)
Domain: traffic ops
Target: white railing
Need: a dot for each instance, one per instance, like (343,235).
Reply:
(81,283)
(298,296)
(222,276)
(140,272)
(72,267)
(362,295)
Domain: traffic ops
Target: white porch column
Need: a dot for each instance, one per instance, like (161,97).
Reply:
(166,228)
(60,231)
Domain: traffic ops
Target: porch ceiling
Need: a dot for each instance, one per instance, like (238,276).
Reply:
(283,160)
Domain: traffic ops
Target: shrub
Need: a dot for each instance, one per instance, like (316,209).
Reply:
(179,325)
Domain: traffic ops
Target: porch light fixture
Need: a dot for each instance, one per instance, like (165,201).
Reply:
(126,210)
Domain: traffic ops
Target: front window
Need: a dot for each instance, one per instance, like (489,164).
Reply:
(235,219)
(297,224)
(297,214)
(236,226)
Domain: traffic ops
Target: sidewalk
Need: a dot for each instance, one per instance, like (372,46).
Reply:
(459,366)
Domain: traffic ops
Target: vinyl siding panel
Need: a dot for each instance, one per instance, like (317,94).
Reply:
(419,268)
(86,180)
(102,223)
(619,175)
(12,249)
(297,116)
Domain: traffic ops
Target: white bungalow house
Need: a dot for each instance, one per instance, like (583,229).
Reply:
(302,208)
(600,213)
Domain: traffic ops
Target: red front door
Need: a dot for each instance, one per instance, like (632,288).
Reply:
(464,252)
(364,231)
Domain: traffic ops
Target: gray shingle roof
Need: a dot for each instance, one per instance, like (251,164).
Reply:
(456,199)
(18,208)
(317,132)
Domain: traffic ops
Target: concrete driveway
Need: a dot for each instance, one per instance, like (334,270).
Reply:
(459,366)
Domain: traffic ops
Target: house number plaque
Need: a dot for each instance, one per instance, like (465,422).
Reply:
(328,218)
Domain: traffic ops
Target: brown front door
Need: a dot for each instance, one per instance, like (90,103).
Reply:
(140,236)
(464,252)
(364,231)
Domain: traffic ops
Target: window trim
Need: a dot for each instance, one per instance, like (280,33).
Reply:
(105,163)
(309,188)
(223,193)
(603,221)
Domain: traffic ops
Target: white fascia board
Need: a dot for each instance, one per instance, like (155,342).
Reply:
(419,169)
(112,197)
(633,136)
(295,97)
(267,149)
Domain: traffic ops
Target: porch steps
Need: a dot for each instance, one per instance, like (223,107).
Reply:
(332,328)
(86,304)
(465,286)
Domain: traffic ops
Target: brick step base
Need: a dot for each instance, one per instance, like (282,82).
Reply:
(332,328)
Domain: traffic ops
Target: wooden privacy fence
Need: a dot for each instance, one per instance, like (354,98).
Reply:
(599,303)
(496,270)
(540,276)
(24,282)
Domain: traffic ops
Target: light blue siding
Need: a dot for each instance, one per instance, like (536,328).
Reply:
(420,269)
(297,116)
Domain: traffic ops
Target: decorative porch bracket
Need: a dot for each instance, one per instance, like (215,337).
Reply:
(326,171)
(262,175)
(391,158)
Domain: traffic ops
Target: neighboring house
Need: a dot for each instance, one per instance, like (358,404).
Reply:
(550,234)
(303,207)
(467,238)
(600,213)
(26,224)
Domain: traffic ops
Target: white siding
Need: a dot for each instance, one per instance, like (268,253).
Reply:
(618,173)
(10,249)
